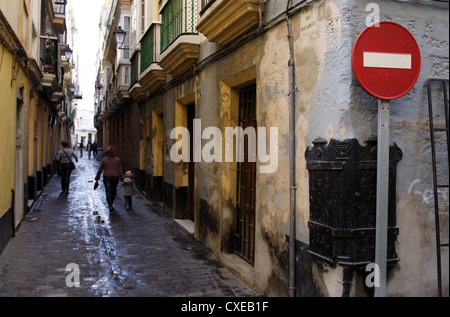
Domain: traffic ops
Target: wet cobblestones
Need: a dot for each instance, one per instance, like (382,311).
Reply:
(141,252)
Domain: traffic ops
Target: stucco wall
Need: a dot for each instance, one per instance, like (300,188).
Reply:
(332,105)
(7,131)
(340,109)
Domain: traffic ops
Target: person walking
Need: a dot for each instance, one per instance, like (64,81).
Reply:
(81,147)
(89,149)
(94,149)
(128,189)
(65,161)
(112,173)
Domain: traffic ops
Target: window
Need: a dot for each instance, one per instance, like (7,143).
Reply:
(108,75)
(142,17)
(246,180)
(126,76)
(126,43)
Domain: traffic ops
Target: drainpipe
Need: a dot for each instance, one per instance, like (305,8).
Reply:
(292,185)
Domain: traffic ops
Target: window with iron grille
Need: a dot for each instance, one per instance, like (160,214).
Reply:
(246,180)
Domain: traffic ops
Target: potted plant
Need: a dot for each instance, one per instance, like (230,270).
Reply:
(50,55)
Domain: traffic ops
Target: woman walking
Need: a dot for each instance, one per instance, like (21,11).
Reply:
(89,149)
(64,157)
(112,172)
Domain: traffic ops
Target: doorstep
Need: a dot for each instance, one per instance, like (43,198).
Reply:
(186,225)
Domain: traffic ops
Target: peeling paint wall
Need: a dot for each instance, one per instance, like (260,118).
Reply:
(331,105)
(342,110)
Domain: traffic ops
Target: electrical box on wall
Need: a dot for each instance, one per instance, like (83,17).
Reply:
(342,194)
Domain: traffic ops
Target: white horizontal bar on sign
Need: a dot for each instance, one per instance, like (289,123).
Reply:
(387,60)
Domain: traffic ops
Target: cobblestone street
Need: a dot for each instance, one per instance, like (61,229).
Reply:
(141,252)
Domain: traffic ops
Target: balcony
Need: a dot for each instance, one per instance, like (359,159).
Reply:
(223,21)
(146,74)
(206,4)
(59,15)
(117,94)
(180,42)
(151,46)
(59,7)
(49,65)
(136,91)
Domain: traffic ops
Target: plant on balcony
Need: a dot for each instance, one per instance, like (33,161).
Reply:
(50,56)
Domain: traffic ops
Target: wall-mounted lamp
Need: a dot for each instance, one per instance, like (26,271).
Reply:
(67,53)
(119,37)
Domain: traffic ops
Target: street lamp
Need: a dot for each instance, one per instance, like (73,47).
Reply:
(119,36)
(67,53)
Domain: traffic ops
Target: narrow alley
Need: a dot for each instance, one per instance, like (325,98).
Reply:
(280,149)
(141,252)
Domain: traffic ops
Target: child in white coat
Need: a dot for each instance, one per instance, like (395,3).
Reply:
(128,189)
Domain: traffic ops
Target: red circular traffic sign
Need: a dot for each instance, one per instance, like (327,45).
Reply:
(386,60)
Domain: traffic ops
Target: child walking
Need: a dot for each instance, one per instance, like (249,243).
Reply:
(128,189)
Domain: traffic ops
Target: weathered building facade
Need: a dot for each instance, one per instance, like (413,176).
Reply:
(227,64)
(116,123)
(35,107)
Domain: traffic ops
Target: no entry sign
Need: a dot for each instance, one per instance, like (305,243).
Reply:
(386,60)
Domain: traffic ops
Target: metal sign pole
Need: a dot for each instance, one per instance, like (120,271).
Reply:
(381,234)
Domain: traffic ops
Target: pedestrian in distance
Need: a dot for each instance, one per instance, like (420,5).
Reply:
(89,149)
(112,173)
(81,147)
(128,189)
(94,149)
(66,165)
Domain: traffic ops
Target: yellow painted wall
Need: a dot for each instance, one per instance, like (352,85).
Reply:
(155,9)
(46,137)
(32,110)
(36,153)
(18,15)
(158,143)
(8,124)
(41,139)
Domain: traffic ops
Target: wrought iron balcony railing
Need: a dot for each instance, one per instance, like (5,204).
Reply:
(179,17)
(150,46)
(49,56)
